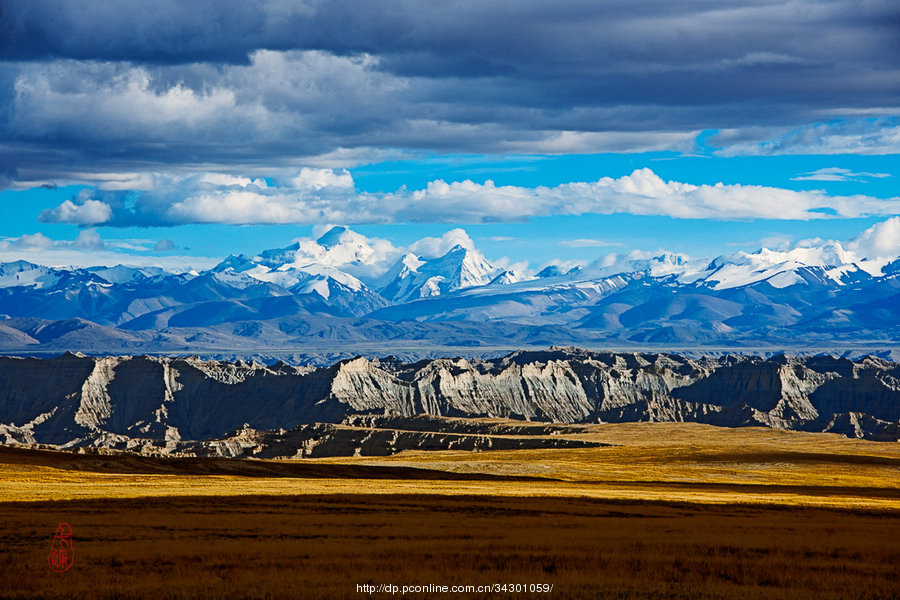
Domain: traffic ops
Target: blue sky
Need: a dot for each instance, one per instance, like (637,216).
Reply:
(178,133)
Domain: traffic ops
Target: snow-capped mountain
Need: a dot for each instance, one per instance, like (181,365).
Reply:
(339,248)
(509,276)
(333,286)
(812,294)
(122,274)
(785,268)
(412,278)
(25,274)
(798,296)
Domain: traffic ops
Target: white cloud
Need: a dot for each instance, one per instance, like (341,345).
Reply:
(838,174)
(88,212)
(118,181)
(31,241)
(432,247)
(564,265)
(329,197)
(592,142)
(88,249)
(88,239)
(316,179)
(368,258)
(881,240)
(236,207)
(660,263)
(777,241)
(224,180)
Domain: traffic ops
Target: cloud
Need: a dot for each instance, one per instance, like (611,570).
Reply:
(587,243)
(838,174)
(32,241)
(164,245)
(564,265)
(881,240)
(776,241)
(433,247)
(88,249)
(88,239)
(316,179)
(584,142)
(130,86)
(845,136)
(368,258)
(235,200)
(87,212)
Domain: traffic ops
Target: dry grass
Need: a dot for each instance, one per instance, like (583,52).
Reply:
(688,461)
(673,511)
(322,546)
(668,462)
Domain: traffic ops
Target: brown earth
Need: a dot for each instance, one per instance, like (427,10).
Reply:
(324,546)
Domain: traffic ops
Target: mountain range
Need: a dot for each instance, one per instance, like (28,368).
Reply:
(338,292)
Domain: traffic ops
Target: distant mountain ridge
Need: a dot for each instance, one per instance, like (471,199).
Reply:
(340,289)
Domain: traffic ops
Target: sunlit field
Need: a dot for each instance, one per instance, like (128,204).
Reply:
(669,511)
(651,461)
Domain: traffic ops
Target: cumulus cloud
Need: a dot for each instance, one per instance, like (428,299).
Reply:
(30,241)
(88,239)
(432,247)
(316,179)
(881,240)
(332,198)
(86,212)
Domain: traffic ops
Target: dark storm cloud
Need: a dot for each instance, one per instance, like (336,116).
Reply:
(154,85)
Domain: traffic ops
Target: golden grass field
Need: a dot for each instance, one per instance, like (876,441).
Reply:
(649,461)
(670,511)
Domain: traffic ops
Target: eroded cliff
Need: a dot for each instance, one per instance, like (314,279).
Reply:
(173,404)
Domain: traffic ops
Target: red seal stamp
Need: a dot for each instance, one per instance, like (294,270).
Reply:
(62,553)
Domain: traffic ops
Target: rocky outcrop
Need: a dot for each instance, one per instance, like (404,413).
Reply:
(325,439)
(75,400)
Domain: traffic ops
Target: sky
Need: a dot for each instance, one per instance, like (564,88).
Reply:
(176,133)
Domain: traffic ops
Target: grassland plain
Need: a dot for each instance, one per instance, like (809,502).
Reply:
(670,511)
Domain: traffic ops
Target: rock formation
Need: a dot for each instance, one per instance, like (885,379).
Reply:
(177,403)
